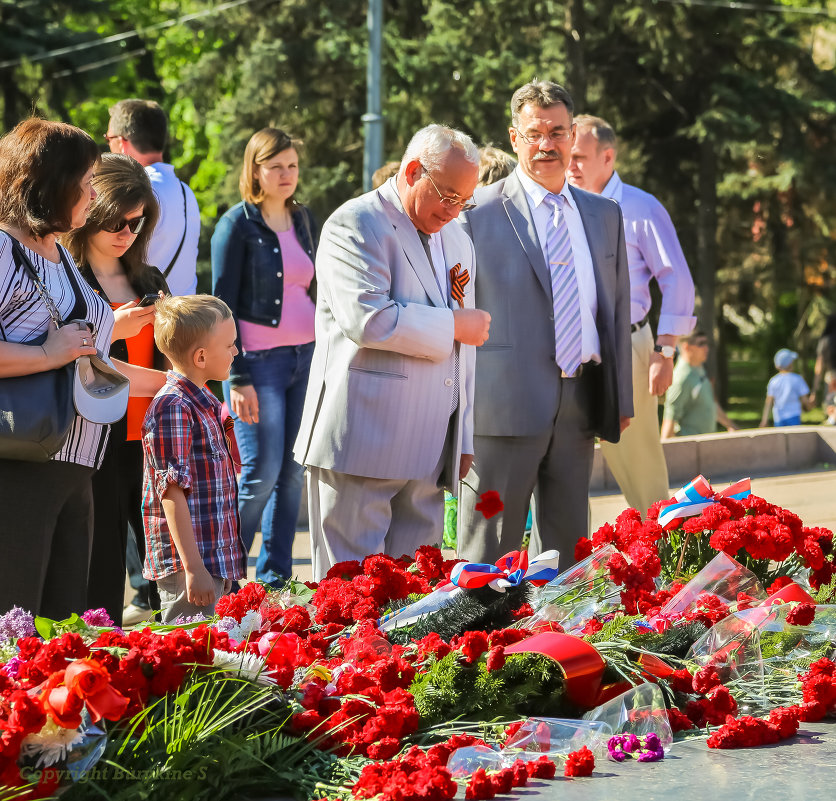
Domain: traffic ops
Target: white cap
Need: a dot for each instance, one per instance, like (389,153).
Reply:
(100,391)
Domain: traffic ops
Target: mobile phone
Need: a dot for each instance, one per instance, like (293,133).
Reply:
(148,300)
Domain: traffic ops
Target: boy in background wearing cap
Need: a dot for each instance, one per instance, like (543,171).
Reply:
(190,499)
(786,393)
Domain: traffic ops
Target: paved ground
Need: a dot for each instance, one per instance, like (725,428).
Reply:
(812,496)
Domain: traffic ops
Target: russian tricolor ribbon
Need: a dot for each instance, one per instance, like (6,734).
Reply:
(509,571)
(696,496)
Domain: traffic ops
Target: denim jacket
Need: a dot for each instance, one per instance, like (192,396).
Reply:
(247,269)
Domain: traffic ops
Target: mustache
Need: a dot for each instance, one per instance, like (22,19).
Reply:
(546,155)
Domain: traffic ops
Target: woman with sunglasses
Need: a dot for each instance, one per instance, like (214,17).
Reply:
(110,251)
(262,266)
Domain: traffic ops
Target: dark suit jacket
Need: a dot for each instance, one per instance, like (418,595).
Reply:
(516,375)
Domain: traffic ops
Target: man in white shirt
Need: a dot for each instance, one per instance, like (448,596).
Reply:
(637,461)
(139,129)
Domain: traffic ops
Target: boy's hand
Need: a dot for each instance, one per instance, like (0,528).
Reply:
(200,587)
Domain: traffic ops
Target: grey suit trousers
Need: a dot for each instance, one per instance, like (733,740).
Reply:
(555,465)
(351,517)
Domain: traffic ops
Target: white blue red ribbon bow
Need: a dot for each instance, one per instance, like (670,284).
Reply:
(509,571)
(695,497)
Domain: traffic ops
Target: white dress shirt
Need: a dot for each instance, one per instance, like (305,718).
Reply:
(587,294)
(653,251)
(440,265)
(182,280)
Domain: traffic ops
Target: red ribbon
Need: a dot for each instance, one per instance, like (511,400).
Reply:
(580,662)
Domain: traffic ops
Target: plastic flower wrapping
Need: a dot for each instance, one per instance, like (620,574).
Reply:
(420,676)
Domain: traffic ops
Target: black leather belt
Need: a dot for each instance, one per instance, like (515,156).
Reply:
(640,324)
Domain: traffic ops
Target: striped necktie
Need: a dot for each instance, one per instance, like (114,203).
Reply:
(567,307)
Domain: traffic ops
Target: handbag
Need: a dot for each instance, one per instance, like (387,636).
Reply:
(36,411)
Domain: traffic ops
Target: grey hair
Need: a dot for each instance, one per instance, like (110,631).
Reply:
(430,145)
(541,94)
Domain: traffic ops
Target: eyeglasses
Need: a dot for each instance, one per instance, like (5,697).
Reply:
(701,343)
(463,205)
(108,137)
(134,225)
(537,138)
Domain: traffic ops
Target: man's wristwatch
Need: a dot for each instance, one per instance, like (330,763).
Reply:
(667,351)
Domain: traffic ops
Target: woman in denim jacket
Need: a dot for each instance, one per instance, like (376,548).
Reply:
(262,266)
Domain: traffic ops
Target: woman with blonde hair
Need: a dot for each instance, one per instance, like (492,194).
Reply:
(263,267)
(110,250)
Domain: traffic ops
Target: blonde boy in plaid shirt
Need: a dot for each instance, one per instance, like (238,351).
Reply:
(190,500)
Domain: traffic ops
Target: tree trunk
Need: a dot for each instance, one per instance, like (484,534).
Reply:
(575,61)
(707,258)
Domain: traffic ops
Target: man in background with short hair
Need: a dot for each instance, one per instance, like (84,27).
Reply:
(637,460)
(139,128)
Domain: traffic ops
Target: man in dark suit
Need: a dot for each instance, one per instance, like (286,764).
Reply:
(556,371)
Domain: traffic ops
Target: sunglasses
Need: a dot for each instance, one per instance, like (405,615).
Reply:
(134,225)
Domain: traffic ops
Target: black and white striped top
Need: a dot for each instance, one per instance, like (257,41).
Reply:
(23,317)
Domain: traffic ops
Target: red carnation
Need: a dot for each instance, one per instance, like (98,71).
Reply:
(580,763)
(496,658)
(583,548)
(490,504)
(542,768)
(479,786)
(801,615)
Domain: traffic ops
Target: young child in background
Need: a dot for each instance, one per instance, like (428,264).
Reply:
(786,393)
(190,504)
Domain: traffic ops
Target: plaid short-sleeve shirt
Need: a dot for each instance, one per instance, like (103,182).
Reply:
(184,443)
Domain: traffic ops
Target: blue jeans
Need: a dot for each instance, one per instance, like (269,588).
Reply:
(270,487)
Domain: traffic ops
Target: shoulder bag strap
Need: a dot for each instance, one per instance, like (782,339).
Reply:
(170,267)
(22,258)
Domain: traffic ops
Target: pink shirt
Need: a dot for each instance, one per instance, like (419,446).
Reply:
(297,324)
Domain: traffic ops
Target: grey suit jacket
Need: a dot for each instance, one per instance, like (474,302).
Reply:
(381,383)
(516,374)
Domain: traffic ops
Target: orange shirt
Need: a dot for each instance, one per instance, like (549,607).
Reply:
(140,353)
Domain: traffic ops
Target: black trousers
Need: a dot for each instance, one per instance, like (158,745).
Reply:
(117,501)
(46,531)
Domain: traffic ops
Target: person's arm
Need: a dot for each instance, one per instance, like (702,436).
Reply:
(665,260)
(145,382)
(667,430)
(723,418)
(354,275)
(130,318)
(767,408)
(200,588)
(61,347)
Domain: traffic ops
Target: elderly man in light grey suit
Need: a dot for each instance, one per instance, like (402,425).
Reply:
(557,370)
(388,411)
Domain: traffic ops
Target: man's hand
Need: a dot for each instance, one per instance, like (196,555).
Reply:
(470,326)
(200,586)
(465,465)
(661,374)
(624,421)
(244,403)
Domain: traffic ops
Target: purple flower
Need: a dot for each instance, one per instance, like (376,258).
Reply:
(16,623)
(183,620)
(97,617)
(12,667)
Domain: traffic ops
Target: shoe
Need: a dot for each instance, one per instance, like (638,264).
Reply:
(133,614)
